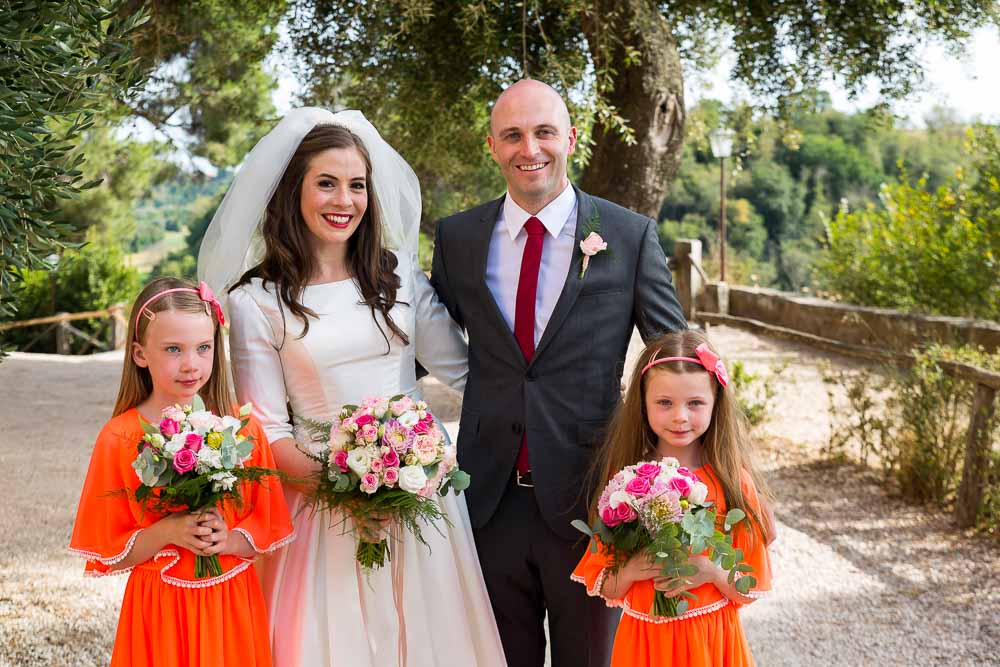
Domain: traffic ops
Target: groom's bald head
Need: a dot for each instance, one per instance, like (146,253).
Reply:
(528,93)
(531,140)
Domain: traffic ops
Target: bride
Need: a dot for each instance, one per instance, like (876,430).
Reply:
(325,314)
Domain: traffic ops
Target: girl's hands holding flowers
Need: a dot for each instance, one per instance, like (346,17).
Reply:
(224,541)
(219,535)
(638,568)
(185,530)
(708,573)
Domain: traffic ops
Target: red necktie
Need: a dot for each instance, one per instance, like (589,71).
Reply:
(524,309)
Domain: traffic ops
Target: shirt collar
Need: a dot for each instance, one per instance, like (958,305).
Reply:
(553,216)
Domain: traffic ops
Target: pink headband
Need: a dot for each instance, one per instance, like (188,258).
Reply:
(203,291)
(706,358)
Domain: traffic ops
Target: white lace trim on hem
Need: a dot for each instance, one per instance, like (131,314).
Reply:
(627,609)
(757,595)
(700,611)
(594,592)
(274,546)
(173,581)
(91,555)
(197,583)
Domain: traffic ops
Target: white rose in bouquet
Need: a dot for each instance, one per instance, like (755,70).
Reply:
(358,461)
(698,493)
(412,478)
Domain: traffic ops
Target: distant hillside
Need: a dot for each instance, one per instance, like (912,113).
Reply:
(172,204)
(163,218)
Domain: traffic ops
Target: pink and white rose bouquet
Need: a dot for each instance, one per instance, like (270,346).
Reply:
(385,460)
(192,461)
(661,508)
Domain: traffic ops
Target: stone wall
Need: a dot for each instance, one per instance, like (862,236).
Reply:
(843,322)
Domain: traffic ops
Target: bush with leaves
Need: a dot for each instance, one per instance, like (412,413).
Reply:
(915,422)
(94,277)
(754,391)
(933,252)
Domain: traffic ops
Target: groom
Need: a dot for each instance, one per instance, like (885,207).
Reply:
(547,343)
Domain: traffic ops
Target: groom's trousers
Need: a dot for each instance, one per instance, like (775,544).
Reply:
(527,568)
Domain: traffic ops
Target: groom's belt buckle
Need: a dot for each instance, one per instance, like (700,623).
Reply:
(524,480)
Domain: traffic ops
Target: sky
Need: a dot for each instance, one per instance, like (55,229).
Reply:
(970,84)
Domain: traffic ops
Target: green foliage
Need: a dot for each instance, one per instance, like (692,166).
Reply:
(91,278)
(61,64)
(207,76)
(915,422)
(183,263)
(146,234)
(862,423)
(754,392)
(387,58)
(933,252)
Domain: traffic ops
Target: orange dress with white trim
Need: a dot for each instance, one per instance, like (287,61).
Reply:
(709,634)
(169,618)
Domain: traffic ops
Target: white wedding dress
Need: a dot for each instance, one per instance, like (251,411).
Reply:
(324,611)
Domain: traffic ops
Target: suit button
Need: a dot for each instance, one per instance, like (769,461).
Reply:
(517,428)
(530,375)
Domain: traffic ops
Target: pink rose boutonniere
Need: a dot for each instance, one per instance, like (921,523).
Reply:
(592,242)
(590,246)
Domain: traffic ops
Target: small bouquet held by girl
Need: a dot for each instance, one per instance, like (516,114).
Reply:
(660,507)
(192,460)
(383,461)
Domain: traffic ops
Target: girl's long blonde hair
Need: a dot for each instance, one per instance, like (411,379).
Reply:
(725,446)
(137,384)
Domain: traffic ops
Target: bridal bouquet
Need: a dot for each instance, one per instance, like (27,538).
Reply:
(192,461)
(383,461)
(659,507)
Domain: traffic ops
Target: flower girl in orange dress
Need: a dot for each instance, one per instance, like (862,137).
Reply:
(679,405)
(169,617)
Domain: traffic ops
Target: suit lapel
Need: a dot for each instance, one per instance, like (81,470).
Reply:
(481,245)
(573,285)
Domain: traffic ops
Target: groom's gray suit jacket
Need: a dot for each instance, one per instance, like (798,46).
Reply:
(565,396)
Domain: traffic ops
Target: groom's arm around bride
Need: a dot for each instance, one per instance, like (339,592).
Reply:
(549,322)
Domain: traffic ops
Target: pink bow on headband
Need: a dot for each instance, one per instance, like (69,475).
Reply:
(706,358)
(208,296)
(204,292)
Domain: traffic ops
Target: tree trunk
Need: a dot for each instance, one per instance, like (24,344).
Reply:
(649,94)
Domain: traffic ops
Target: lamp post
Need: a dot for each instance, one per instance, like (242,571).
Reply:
(721,141)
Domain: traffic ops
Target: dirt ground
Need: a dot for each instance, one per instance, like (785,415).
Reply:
(861,578)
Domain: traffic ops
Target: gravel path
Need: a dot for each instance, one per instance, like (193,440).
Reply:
(861,578)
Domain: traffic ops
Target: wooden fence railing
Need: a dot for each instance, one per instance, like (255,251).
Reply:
(116,328)
(691,282)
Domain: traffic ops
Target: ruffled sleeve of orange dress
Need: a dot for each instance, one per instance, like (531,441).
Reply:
(755,553)
(263,519)
(106,525)
(592,569)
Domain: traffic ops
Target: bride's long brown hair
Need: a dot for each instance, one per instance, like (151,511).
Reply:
(289,261)
(726,445)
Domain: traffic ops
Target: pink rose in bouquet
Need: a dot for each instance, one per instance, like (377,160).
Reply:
(193,441)
(169,428)
(184,461)
(637,487)
(647,470)
(681,485)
